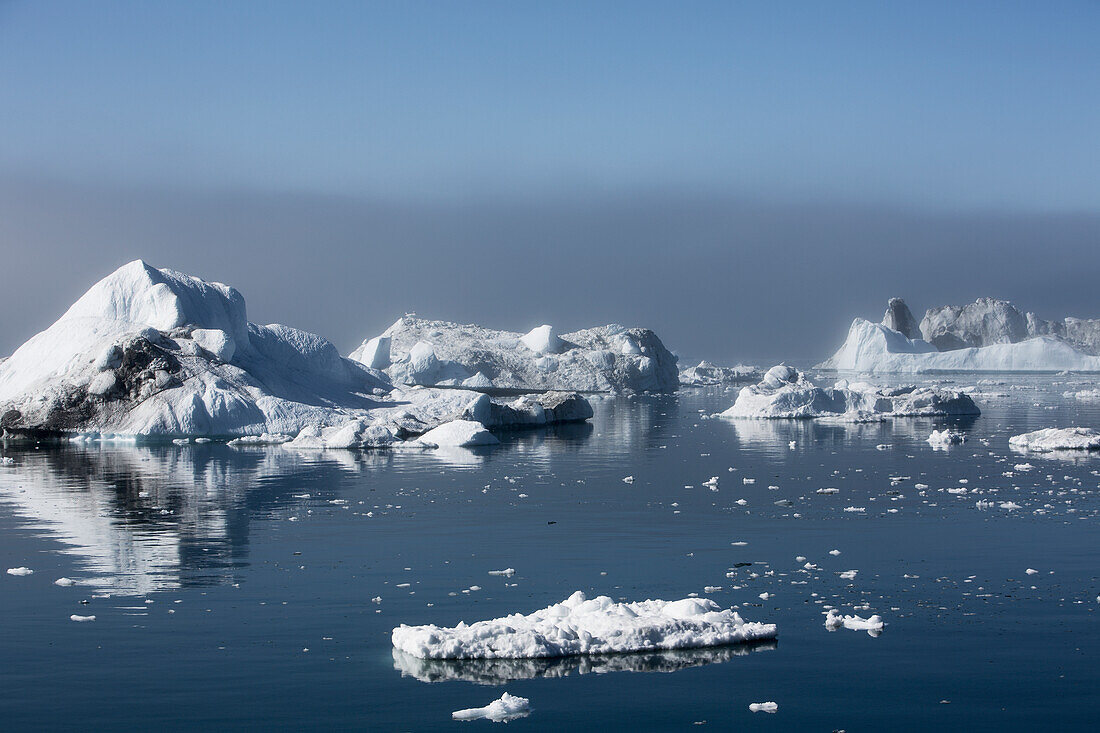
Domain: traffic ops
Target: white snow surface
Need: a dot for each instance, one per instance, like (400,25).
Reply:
(579,625)
(156,353)
(785,392)
(458,434)
(603,359)
(507,707)
(872,347)
(1057,439)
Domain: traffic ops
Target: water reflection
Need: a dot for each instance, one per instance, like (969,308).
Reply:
(143,519)
(140,519)
(775,436)
(503,671)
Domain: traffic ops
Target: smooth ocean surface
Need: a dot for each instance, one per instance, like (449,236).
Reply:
(233,587)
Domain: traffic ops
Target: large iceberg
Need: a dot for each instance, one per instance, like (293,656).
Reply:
(442,354)
(156,353)
(988,335)
(579,625)
(872,347)
(786,392)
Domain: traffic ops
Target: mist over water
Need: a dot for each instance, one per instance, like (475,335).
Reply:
(720,277)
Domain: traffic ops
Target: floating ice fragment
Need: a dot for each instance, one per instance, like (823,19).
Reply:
(508,707)
(81,619)
(20,571)
(506,572)
(834,620)
(764,707)
(580,625)
(64,582)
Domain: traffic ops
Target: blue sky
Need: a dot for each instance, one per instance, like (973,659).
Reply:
(744,177)
(952,104)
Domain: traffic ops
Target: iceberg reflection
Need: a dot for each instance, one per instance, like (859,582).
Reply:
(144,519)
(503,671)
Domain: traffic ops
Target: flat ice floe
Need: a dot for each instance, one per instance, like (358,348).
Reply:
(508,707)
(1057,439)
(439,353)
(579,625)
(785,392)
(157,354)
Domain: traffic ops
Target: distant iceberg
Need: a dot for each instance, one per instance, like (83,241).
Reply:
(991,336)
(705,374)
(150,353)
(416,351)
(785,392)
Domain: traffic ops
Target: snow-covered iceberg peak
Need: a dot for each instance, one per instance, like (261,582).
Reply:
(444,354)
(785,392)
(147,351)
(579,625)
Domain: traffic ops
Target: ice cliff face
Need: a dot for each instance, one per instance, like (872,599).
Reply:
(604,359)
(899,318)
(149,352)
(984,322)
(988,335)
(785,392)
(988,321)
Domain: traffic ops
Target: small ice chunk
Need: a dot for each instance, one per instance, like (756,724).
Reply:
(64,582)
(764,707)
(20,571)
(834,620)
(506,572)
(508,707)
(81,619)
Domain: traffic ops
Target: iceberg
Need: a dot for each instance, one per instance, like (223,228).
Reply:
(989,335)
(579,625)
(1057,439)
(416,351)
(785,392)
(705,374)
(158,354)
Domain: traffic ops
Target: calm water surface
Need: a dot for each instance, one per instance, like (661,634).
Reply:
(235,589)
